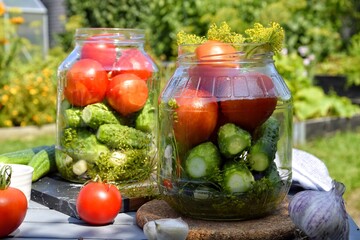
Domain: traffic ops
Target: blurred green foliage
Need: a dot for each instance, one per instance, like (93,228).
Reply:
(325,26)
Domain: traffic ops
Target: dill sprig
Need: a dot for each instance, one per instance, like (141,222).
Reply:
(224,34)
(186,38)
(270,38)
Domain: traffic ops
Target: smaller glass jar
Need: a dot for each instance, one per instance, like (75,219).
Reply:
(107,108)
(226,124)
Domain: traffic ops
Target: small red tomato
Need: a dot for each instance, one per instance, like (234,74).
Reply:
(167,184)
(98,203)
(216,53)
(133,61)
(196,117)
(101,49)
(127,93)
(86,82)
(13,205)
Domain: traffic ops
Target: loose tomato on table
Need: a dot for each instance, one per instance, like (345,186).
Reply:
(196,114)
(13,204)
(86,82)
(127,93)
(101,49)
(133,61)
(98,203)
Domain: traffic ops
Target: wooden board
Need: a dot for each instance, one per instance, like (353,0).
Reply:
(277,226)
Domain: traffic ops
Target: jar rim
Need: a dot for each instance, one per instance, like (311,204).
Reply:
(110,34)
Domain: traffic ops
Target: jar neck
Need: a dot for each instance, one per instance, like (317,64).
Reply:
(118,36)
(241,54)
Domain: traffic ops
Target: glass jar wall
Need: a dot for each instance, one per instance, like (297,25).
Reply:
(107,108)
(226,124)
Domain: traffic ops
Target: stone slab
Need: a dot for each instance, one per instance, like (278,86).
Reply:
(58,194)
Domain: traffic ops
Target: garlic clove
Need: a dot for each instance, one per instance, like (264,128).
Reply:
(175,229)
(321,214)
(150,230)
(166,228)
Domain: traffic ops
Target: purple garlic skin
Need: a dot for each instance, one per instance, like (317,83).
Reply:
(321,214)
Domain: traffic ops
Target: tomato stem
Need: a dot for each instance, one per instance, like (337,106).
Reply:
(5,176)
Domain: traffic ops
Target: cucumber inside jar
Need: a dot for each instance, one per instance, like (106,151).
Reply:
(212,180)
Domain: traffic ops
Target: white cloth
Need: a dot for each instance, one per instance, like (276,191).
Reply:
(309,172)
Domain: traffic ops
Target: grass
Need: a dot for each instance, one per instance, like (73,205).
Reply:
(18,144)
(340,152)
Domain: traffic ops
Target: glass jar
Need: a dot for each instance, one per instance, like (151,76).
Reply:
(226,126)
(107,108)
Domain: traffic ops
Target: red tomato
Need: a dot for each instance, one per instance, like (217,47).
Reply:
(98,203)
(133,61)
(86,82)
(13,207)
(127,93)
(216,53)
(100,48)
(211,77)
(167,184)
(248,100)
(196,117)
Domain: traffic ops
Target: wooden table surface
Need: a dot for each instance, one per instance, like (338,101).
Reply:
(44,223)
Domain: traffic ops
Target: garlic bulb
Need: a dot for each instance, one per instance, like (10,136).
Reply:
(166,228)
(321,214)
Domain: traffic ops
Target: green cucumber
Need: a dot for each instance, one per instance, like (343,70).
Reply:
(22,156)
(203,161)
(232,140)
(264,148)
(43,163)
(237,178)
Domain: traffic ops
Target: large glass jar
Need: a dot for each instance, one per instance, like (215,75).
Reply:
(107,108)
(225,127)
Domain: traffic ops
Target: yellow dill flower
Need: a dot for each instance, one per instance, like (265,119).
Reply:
(4,99)
(224,34)
(46,72)
(49,118)
(8,123)
(186,38)
(4,41)
(14,113)
(33,91)
(35,101)
(2,9)
(13,90)
(35,118)
(272,36)
(17,20)
(39,79)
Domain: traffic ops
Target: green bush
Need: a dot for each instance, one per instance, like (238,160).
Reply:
(29,97)
(320,25)
(310,101)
